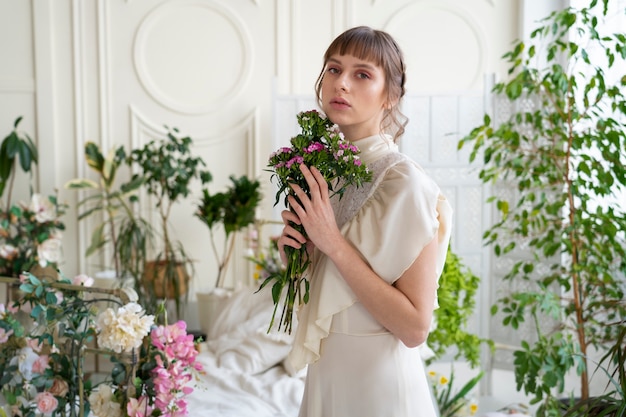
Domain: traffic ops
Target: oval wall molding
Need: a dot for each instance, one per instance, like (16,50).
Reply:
(180,59)
(457,61)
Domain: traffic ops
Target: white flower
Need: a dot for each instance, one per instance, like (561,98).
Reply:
(7,251)
(125,329)
(25,359)
(83,279)
(102,404)
(49,251)
(42,207)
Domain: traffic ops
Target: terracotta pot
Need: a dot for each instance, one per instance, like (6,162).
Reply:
(154,279)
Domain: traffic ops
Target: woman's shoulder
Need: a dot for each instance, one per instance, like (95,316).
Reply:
(407,171)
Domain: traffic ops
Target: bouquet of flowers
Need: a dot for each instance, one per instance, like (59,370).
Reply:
(30,234)
(319,144)
(45,335)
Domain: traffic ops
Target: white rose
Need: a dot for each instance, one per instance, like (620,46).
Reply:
(42,207)
(49,251)
(83,279)
(8,251)
(102,404)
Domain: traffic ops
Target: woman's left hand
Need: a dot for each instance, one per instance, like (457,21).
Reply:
(315,212)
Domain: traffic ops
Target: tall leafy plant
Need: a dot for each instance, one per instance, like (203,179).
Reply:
(168,170)
(563,149)
(233,209)
(127,235)
(16,146)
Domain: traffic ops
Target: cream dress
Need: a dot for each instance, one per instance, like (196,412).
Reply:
(355,366)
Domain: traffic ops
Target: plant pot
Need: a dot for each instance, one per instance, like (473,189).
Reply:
(210,304)
(165,280)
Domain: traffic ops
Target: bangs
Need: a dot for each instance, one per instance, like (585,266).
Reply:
(363,44)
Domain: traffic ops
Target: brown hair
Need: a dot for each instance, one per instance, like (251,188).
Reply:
(380,48)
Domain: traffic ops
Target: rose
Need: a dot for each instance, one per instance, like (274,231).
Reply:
(102,404)
(8,251)
(46,403)
(49,251)
(139,407)
(41,364)
(43,208)
(83,279)
(59,387)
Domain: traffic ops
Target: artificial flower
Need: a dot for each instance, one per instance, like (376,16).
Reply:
(124,329)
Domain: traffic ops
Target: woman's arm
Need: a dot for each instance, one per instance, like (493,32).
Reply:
(404,308)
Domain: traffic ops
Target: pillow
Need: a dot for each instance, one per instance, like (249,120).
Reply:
(240,339)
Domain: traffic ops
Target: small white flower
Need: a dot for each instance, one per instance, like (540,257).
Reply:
(49,251)
(42,207)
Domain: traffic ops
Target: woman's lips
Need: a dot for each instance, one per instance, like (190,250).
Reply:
(339,103)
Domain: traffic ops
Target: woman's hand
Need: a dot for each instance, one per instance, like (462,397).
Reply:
(315,213)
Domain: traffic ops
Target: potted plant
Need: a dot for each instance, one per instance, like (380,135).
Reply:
(168,170)
(560,158)
(230,211)
(30,233)
(126,235)
(233,210)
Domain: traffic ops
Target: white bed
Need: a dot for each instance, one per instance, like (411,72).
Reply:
(244,373)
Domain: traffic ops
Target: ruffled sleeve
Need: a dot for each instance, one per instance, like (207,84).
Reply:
(400,217)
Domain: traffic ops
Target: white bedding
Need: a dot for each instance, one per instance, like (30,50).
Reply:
(243,365)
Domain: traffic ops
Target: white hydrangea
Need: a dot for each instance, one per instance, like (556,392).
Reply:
(102,404)
(124,329)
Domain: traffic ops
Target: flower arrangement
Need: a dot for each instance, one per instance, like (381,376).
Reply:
(43,341)
(319,144)
(453,404)
(30,234)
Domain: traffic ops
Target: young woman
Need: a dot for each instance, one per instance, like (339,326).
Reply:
(377,253)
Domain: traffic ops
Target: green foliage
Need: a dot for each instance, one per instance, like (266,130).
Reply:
(17,145)
(456,297)
(234,209)
(128,235)
(563,156)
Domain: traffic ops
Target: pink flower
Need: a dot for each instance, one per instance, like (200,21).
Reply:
(4,335)
(46,403)
(83,279)
(41,364)
(138,407)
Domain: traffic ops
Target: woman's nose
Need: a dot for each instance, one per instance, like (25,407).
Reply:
(341,83)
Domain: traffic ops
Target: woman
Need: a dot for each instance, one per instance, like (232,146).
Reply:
(377,253)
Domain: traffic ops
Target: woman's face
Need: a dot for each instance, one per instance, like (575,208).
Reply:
(354,95)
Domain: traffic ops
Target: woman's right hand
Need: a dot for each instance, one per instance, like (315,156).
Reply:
(290,236)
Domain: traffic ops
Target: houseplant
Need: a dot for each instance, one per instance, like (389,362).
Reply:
(225,214)
(232,210)
(562,151)
(30,233)
(168,170)
(456,296)
(125,235)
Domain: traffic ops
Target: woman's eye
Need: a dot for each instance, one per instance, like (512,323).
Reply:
(333,70)
(363,75)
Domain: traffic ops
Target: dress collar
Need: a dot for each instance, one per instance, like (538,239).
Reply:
(373,147)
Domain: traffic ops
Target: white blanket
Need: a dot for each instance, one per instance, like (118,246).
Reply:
(243,364)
